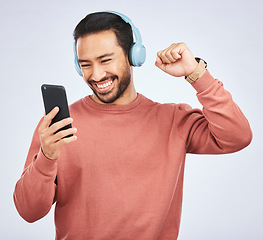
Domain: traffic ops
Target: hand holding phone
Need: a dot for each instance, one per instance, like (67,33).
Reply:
(55,131)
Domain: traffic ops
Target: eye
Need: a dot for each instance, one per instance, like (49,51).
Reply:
(106,60)
(85,65)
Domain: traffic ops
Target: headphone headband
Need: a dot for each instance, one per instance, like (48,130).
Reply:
(135,30)
(137,52)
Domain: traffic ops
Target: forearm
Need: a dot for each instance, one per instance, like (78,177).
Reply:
(35,190)
(224,128)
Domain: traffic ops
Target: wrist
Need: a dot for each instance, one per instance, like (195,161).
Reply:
(54,157)
(198,72)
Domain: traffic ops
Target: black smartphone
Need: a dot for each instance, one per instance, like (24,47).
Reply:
(55,95)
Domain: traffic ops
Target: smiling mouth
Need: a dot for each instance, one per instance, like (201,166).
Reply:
(104,86)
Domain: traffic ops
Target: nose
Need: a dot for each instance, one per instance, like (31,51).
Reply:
(97,73)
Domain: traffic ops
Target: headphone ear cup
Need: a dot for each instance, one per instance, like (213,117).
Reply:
(137,55)
(77,66)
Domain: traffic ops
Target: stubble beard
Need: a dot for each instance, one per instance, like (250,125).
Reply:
(110,97)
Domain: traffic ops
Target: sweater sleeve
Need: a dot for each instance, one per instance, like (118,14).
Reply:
(221,127)
(34,192)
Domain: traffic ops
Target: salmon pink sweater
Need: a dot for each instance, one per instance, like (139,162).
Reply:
(123,178)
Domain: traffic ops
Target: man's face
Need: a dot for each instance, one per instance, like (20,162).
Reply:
(104,66)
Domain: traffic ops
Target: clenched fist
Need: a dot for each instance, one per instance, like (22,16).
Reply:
(176,60)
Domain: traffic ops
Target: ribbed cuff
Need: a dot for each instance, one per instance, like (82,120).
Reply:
(44,165)
(204,82)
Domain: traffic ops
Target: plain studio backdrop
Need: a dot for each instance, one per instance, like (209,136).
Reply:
(222,194)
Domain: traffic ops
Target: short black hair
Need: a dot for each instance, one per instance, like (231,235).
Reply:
(103,21)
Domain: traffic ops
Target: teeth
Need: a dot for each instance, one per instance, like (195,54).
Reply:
(104,85)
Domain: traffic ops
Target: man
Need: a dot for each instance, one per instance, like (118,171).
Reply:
(122,176)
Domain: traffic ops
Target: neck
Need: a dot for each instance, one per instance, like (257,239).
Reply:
(128,96)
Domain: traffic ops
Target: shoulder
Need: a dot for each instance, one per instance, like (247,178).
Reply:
(77,106)
(167,111)
(76,103)
(167,106)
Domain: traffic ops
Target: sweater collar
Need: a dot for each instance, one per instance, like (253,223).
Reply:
(114,108)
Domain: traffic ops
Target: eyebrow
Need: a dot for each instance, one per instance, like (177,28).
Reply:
(100,57)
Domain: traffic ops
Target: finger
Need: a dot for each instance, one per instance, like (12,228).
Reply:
(160,64)
(48,118)
(176,52)
(169,53)
(64,141)
(158,61)
(64,133)
(58,125)
(175,55)
(163,57)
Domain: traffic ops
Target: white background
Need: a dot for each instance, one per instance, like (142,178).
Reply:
(222,194)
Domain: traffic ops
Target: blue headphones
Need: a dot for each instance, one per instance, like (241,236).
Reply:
(137,52)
